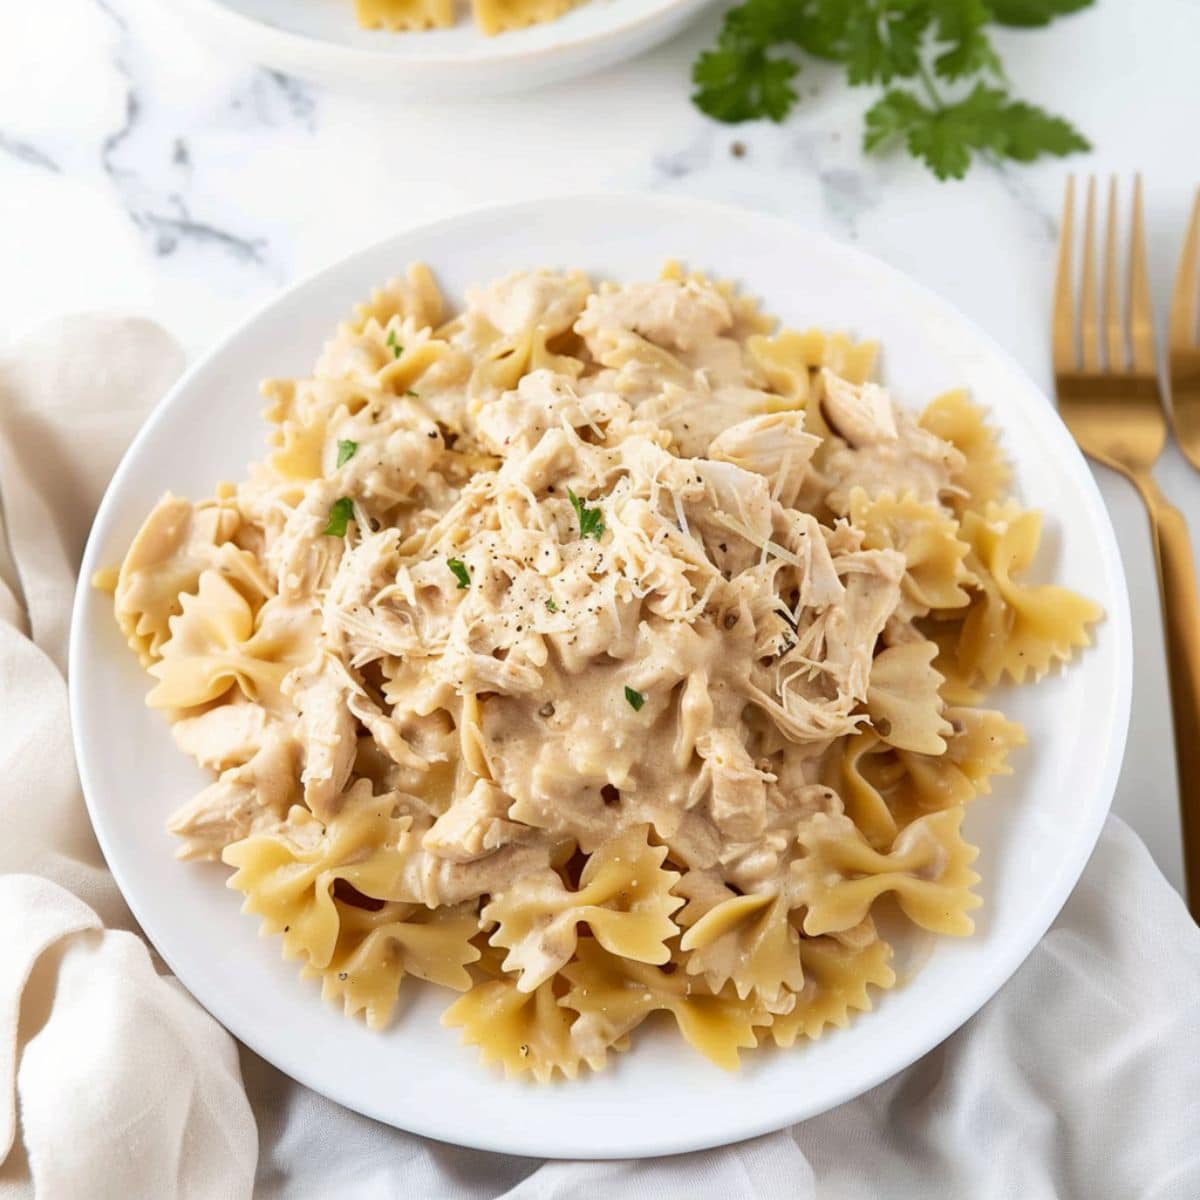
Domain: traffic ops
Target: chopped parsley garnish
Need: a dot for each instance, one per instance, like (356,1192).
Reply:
(341,513)
(346,451)
(397,349)
(410,392)
(550,604)
(635,698)
(459,569)
(591,520)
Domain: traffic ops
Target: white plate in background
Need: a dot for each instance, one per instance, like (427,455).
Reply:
(321,41)
(1036,830)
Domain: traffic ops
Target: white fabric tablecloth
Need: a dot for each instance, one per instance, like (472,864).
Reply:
(1080,1079)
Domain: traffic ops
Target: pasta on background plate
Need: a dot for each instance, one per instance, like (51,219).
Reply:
(596,652)
(491,16)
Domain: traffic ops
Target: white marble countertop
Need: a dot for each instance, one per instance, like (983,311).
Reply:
(144,171)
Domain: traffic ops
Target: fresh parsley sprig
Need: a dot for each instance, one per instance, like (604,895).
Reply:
(347,449)
(591,520)
(934,43)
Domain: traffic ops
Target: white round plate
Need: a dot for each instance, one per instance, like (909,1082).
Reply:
(321,41)
(1036,830)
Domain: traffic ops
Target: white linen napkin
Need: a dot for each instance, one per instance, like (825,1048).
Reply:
(1081,1078)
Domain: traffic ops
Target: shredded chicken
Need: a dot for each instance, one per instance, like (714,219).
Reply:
(878,446)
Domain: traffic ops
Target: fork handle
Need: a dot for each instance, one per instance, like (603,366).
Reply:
(1181,624)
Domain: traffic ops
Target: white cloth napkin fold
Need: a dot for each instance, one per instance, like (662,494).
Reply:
(1080,1079)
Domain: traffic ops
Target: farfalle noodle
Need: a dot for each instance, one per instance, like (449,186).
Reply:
(903,699)
(1016,629)
(613,996)
(928,539)
(956,420)
(526,1031)
(377,946)
(837,977)
(624,899)
(749,942)
(928,870)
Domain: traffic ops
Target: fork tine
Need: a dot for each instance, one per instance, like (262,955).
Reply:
(1141,313)
(1114,334)
(1089,324)
(1064,296)
(1183,297)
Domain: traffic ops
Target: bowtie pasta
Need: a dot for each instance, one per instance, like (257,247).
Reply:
(492,16)
(596,652)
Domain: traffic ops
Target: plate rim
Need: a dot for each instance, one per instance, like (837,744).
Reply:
(268,39)
(958,1010)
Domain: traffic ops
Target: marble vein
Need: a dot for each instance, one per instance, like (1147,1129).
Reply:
(27,152)
(166,217)
(1015,182)
(679,164)
(171,229)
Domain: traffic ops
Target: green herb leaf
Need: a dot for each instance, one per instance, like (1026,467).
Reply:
(346,451)
(943,138)
(591,520)
(820,27)
(984,121)
(397,349)
(960,23)
(341,513)
(1029,132)
(892,117)
(766,22)
(551,605)
(1029,14)
(739,80)
(459,569)
(749,73)
(740,85)
(883,39)
(635,698)
(410,392)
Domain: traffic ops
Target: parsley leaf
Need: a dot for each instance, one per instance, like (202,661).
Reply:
(341,513)
(635,698)
(749,73)
(946,138)
(741,84)
(1029,14)
(960,23)
(883,39)
(769,21)
(942,138)
(1030,131)
(591,520)
(346,451)
(819,27)
(551,605)
(458,569)
(892,117)
(396,348)
(739,80)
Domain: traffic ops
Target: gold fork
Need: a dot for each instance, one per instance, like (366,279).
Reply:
(1110,400)
(1185,348)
